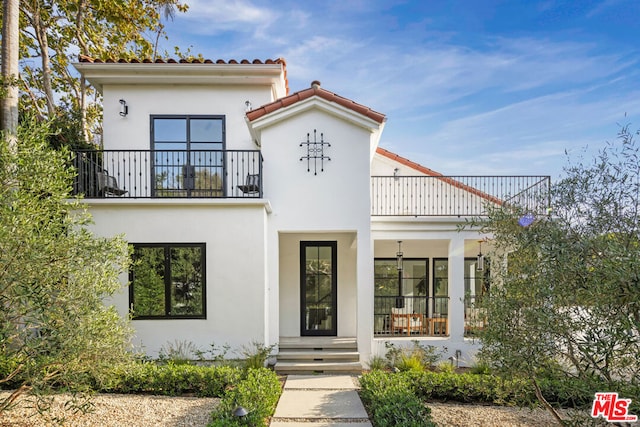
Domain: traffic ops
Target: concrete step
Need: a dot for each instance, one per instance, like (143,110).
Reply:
(319,355)
(318,367)
(312,355)
(322,343)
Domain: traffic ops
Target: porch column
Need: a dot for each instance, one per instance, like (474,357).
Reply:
(456,286)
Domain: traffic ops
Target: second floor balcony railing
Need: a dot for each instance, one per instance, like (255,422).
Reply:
(168,173)
(456,195)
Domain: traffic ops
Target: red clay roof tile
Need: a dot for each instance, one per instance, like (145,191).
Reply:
(431,172)
(281,61)
(316,90)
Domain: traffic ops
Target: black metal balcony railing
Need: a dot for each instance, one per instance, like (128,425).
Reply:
(456,195)
(411,316)
(168,173)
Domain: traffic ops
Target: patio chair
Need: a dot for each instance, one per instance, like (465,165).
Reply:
(251,184)
(404,321)
(108,184)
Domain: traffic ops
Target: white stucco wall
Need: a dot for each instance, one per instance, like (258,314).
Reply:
(235,267)
(133,131)
(332,204)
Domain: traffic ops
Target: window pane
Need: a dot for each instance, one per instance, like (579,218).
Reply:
(206,130)
(186,281)
(148,282)
(170,130)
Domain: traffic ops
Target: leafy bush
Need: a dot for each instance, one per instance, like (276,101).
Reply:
(258,392)
(390,400)
(377,363)
(418,357)
(472,388)
(170,379)
(256,355)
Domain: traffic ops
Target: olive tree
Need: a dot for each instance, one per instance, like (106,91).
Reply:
(565,293)
(55,330)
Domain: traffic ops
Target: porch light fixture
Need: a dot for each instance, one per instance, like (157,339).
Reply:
(247,105)
(399,255)
(124,108)
(480,260)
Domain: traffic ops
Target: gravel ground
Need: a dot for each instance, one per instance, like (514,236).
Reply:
(117,410)
(459,415)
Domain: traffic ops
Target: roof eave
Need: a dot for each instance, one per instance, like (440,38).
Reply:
(101,74)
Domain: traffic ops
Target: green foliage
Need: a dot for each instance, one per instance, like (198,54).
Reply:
(566,309)
(256,354)
(475,388)
(169,379)
(49,30)
(390,400)
(417,357)
(377,363)
(54,274)
(178,352)
(258,393)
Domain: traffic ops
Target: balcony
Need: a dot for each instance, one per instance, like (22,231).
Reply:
(456,195)
(409,316)
(168,173)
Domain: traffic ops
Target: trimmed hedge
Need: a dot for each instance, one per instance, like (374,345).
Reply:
(258,392)
(391,400)
(170,379)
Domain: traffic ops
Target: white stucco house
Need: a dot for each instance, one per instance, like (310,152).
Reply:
(261,215)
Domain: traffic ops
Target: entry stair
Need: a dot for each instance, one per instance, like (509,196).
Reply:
(318,355)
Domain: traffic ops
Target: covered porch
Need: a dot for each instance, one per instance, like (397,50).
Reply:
(428,287)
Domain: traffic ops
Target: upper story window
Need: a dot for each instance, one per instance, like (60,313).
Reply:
(168,281)
(188,158)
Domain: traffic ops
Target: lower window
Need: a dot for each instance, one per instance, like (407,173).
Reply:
(168,281)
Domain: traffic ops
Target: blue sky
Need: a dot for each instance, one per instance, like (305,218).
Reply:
(475,87)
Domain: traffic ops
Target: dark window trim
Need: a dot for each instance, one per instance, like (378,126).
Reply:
(188,117)
(167,289)
(427,265)
(333,244)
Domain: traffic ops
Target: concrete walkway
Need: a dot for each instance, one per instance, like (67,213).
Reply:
(320,401)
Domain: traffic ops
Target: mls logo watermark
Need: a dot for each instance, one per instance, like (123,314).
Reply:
(611,408)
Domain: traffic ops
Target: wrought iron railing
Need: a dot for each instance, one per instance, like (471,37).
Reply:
(168,173)
(411,316)
(456,195)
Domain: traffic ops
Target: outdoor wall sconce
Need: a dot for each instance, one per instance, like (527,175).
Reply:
(480,259)
(247,105)
(399,256)
(124,108)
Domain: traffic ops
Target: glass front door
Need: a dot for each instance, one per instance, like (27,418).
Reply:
(318,288)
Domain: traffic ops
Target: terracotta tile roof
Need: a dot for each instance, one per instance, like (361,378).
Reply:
(84,58)
(315,90)
(431,172)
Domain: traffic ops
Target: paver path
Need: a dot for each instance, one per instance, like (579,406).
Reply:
(320,401)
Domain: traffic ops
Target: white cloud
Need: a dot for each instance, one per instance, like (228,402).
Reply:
(215,16)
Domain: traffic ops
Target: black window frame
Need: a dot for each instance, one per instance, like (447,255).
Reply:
(167,282)
(401,294)
(187,118)
(444,308)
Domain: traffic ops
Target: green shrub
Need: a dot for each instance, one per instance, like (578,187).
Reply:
(472,388)
(256,355)
(410,362)
(391,401)
(377,363)
(170,379)
(407,358)
(258,392)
